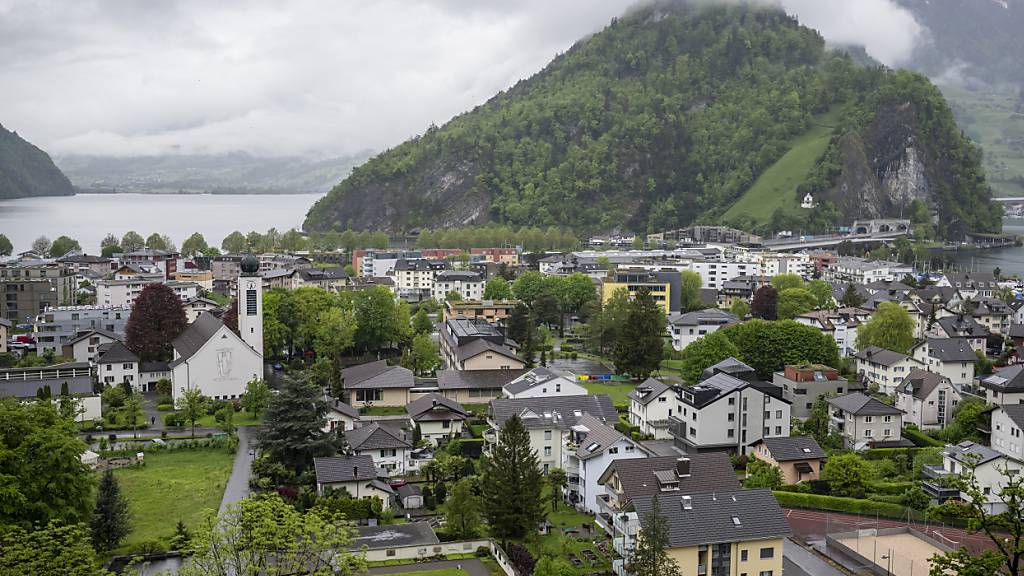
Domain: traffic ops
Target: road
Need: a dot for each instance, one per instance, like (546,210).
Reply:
(238,484)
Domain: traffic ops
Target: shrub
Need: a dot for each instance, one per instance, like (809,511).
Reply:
(164,407)
(838,504)
(482,552)
(165,399)
(147,547)
(920,439)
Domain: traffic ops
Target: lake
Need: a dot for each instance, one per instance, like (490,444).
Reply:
(89,217)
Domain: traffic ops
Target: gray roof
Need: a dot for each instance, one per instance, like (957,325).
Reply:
(718,517)
(420,264)
(1008,379)
(1014,412)
(377,375)
(392,535)
(920,383)
(599,437)
(154,367)
(702,317)
(552,411)
(730,366)
(192,338)
(880,356)
(785,449)
(708,471)
(117,352)
(476,379)
(860,404)
(406,490)
(88,334)
(373,436)
(951,350)
(316,274)
(435,407)
(479,346)
(535,377)
(342,408)
(458,275)
(653,387)
(971,453)
(1016,331)
(962,326)
(344,469)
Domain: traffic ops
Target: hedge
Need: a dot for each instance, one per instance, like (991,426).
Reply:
(891,488)
(838,504)
(888,453)
(920,439)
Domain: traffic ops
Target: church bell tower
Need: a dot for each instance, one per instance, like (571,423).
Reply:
(250,303)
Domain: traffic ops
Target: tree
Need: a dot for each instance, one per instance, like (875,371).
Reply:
(53,549)
(181,538)
(62,245)
(889,327)
(847,475)
(739,308)
(192,406)
(764,304)
(335,333)
(41,246)
(689,291)
(497,288)
(822,292)
(557,480)
(194,245)
(133,410)
(379,320)
(132,241)
(43,476)
(234,243)
(425,356)
(511,484)
(110,518)
(462,514)
(256,397)
(266,535)
(164,387)
(519,323)
(639,347)
(292,432)
(6,248)
(109,240)
(650,557)
(421,323)
(157,318)
(761,474)
(553,566)
(704,352)
(793,302)
(157,242)
(110,251)
(852,298)
(767,346)
(452,296)
(786,281)
(528,286)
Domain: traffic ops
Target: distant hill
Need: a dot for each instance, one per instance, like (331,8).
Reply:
(235,173)
(669,116)
(27,171)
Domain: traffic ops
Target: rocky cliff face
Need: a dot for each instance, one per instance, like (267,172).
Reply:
(28,171)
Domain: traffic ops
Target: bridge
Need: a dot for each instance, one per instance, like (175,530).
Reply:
(1010,199)
(825,241)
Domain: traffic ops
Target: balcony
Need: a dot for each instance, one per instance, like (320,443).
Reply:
(934,471)
(677,428)
(490,436)
(624,549)
(619,568)
(604,520)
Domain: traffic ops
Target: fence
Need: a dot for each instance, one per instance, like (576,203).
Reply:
(424,552)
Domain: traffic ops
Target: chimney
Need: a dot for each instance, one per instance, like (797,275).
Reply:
(687,502)
(683,467)
(433,403)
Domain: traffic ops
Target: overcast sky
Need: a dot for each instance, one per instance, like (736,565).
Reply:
(130,77)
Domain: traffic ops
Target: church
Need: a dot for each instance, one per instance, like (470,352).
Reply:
(210,357)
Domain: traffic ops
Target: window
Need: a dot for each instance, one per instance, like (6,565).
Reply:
(867,433)
(110,366)
(614,450)
(888,419)
(547,451)
(743,555)
(768,552)
(767,414)
(547,434)
(127,366)
(731,434)
(869,419)
(446,424)
(767,430)
(765,573)
(778,414)
(731,417)
(887,432)
(732,401)
(778,430)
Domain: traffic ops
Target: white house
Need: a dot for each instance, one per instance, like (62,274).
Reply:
(1008,430)
(152,372)
(386,445)
(542,381)
(884,368)
(650,406)
(989,468)
(117,364)
(960,326)
(841,325)
(1006,386)
(686,328)
(468,285)
(86,346)
(863,421)
(438,418)
(356,475)
(340,416)
(591,446)
(927,399)
(415,277)
(951,357)
(196,306)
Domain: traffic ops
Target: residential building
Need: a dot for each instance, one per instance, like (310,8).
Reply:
(355,474)
(204,278)
(25,384)
(468,285)
(972,284)
(543,381)
(5,333)
(387,445)
(799,458)
(864,271)
(1005,386)
(438,418)
(659,285)
(475,386)
(167,262)
(196,306)
(210,357)
(841,325)
(1007,424)
(803,384)
(960,326)
(81,263)
(56,327)
(495,312)
(377,384)
(415,278)
(989,468)
(509,256)
(117,364)
(728,410)
(122,293)
(477,345)
(410,497)
(927,399)
(884,368)
(650,406)
(548,419)
(368,283)
(150,373)
(340,416)
(686,328)
(29,287)
(226,268)
(591,446)
(951,357)
(864,422)
(995,315)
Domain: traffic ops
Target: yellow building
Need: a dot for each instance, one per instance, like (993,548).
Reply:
(659,286)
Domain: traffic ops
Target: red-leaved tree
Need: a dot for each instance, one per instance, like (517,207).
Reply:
(157,319)
(765,301)
(230,317)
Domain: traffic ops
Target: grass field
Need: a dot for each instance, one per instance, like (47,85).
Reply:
(991,120)
(617,391)
(242,418)
(776,187)
(173,485)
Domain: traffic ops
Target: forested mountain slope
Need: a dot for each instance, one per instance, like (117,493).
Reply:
(28,171)
(665,117)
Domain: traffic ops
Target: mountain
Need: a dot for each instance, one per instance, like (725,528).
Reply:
(28,171)
(220,174)
(672,115)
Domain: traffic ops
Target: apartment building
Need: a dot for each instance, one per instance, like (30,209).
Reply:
(865,271)
(990,469)
(803,384)
(686,328)
(927,399)
(864,422)
(477,345)
(468,285)
(884,368)
(591,445)
(663,287)
(415,278)
(650,406)
(1005,386)
(495,312)
(54,328)
(951,357)
(29,287)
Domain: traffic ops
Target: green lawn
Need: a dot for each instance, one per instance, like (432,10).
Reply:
(242,418)
(173,485)
(476,408)
(776,187)
(618,391)
(383,410)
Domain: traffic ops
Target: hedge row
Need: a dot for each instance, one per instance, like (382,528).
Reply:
(838,504)
(889,453)
(891,488)
(921,439)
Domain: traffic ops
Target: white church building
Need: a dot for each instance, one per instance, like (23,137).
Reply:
(210,357)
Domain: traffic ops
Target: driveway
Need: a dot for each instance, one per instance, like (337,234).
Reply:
(238,484)
(797,560)
(472,566)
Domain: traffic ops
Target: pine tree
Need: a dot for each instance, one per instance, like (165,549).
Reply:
(292,432)
(110,518)
(851,297)
(639,348)
(181,538)
(512,484)
(650,558)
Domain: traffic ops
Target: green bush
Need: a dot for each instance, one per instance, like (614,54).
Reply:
(889,453)
(890,488)
(838,504)
(174,420)
(164,407)
(921,439)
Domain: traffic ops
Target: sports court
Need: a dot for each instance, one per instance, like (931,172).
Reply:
(900,551)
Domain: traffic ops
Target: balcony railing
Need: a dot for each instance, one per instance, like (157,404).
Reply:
(934,471)
(677,428)
(624,549)
(619,568)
